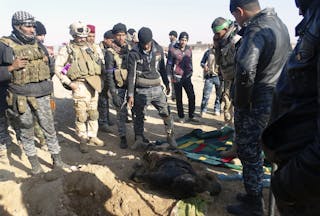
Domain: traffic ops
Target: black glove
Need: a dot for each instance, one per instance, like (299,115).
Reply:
(117,100)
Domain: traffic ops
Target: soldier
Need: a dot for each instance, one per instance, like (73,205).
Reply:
(291,140)
(116,70)
(132,37)
(180,66)
(225,40)
(40,36)
(262,53)
(103,102)
(83,77)
(146,66)
(30,89)
(211,78)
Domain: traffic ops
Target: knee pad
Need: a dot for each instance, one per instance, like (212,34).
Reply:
(82,116)
(93,115)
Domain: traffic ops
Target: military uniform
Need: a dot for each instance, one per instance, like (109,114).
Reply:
(85,71)
(225,51)
(103,102)
(29,91)
(116,74)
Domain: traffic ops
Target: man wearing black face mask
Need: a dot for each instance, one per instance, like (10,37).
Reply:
(30,89)
(292,138)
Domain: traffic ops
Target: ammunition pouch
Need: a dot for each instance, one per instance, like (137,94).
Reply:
(120,76)
(7,56)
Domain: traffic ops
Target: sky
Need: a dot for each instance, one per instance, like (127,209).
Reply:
(162,16)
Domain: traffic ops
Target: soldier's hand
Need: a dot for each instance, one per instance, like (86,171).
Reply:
(131,101)
(17,64)
(168,90)
(74,86)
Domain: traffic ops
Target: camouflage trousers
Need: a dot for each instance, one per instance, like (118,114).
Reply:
(226,99)
(156,97)
(86,109)
(46,122)
(249,124)
(103,106)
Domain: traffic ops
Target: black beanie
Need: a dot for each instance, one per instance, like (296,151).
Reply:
(239,3)
(144,35)
(119,28)
(303,5)
(131,31)
(184,35)
(40,29)
(108,35)
(174,33)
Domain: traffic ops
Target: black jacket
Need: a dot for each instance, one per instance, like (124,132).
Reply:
(151,68)
(262,53)
(292,138)
(110,66)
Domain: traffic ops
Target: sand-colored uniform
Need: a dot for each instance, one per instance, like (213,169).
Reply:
(85,64)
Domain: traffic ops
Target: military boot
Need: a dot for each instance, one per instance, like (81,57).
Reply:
(250,206)
(83,145)
(58,163)
(96,141)
(105,128)
(171,140)
(123,142)
(35,165)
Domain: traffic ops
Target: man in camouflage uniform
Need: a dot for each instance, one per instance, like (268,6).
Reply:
(103,102)
(262,53)
(146,68)
(225,41)
(116,71)
(83,77)
(30,89)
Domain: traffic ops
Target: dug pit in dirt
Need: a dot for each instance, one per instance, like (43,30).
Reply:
(174,174)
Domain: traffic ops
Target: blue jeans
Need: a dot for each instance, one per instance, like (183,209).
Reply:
(207,88)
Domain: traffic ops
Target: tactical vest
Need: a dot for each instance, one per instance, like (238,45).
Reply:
(84,62)
(37,68)
(120,73)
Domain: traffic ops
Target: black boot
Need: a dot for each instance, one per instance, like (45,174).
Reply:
(58,163)
(249,206)
(123,142)
(36,167)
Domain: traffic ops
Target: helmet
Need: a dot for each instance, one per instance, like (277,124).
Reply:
(79,29)
(22,17)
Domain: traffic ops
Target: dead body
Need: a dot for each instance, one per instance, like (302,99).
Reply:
(172,173)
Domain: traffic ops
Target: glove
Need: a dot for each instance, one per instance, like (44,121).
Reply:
(117,100)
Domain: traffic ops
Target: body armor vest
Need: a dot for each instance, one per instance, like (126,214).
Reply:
(37,68)
(84,62)
(120,73)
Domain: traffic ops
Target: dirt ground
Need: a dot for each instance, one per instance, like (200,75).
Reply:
(101,186)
